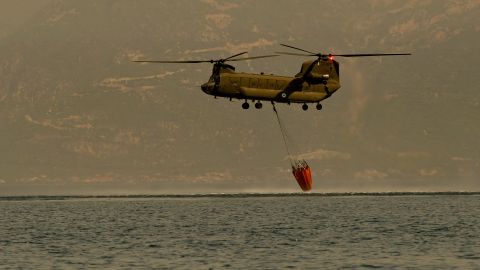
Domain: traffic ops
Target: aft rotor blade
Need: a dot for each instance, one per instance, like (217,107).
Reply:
(238,54)
(369,54)
(171,62)
(296,54)
(254,57)
(285,45)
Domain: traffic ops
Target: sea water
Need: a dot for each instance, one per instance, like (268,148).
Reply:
(241,232)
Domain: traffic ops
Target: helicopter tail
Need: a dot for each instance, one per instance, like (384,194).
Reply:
(336,71)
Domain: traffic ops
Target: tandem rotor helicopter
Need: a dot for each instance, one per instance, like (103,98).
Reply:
(317,80)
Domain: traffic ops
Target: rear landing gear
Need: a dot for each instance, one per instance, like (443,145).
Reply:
(319,106)
(245,105)
(304,106)
(258,105)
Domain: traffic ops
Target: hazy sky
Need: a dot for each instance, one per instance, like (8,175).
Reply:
(78,117)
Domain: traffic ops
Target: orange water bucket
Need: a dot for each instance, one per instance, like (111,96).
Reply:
(303,175)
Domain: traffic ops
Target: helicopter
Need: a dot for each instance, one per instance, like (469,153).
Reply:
(317,80)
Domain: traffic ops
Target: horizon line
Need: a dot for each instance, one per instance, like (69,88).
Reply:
(233,195)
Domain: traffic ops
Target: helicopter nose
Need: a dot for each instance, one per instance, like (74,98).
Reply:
(207,87)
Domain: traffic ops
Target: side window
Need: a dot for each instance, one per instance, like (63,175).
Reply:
(271,84)
(235,81)
(262,83)
(245,82)
(253,82)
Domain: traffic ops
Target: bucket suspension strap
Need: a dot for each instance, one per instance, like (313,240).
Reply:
(284,136)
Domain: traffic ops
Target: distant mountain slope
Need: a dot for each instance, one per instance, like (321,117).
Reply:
(78,116)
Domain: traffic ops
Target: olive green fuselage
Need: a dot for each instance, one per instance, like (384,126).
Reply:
(316,81)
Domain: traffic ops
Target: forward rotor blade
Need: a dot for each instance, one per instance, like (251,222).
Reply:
(171,62)
(296,54)
(238,54)
(254,57)
(206,61)
(369,54)
(285,45)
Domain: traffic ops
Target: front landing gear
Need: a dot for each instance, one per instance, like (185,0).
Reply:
(304,106)
(319,106)
(245,105)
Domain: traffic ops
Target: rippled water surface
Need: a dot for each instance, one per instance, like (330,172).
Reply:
(262,232)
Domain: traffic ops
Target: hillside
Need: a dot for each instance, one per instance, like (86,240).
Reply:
(77,116)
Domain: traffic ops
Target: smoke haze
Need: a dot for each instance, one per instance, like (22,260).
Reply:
(78,117)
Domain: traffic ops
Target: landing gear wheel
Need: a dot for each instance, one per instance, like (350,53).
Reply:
(319,106)
(304,107)
(258,105)
(245,105)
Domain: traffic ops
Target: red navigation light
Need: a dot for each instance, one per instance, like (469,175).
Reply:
(330,57)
